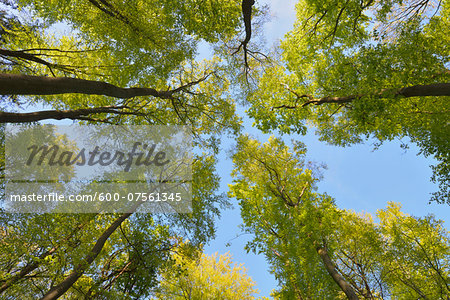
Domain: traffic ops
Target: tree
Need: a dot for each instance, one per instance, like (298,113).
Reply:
(318,251)
(204,277)
(349,67)
(123,63)
(151,54)
(360,69)
(108,255)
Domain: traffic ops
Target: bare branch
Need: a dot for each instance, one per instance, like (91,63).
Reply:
(247,15)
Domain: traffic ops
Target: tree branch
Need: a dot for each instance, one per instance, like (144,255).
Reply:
(430,90)
(32,266)
(115,13)
(27,56)
(75,114)
(247,15)
(18,84)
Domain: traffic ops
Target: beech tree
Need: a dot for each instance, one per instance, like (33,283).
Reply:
(353,69)
(144,67)
(364,69)
(116,62)
(100,255)
(318,251)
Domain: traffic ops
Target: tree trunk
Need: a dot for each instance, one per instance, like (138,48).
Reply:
(345,287)
(74,114)
(18,84)
(436,89)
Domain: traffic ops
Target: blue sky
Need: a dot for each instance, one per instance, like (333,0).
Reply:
(357,177)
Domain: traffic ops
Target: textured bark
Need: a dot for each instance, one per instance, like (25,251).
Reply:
(17,84)
(345,287)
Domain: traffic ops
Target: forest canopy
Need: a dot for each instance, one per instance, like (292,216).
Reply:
(352,71)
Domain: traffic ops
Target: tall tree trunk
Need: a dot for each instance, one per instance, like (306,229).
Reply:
(74,114)
(436,89)
(345,287)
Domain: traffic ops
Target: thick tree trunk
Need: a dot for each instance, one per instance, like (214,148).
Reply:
(247,15)
(345,287)
(428,90)
(18,84)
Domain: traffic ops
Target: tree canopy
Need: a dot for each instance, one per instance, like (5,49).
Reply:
(204,277)
(318,251)
(356,69)
(351,70)
(120,63)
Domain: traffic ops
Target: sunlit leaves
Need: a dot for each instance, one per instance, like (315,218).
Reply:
(204,277)
(334,50)
(395,255)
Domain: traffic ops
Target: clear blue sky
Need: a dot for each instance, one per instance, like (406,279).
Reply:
(357,177)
